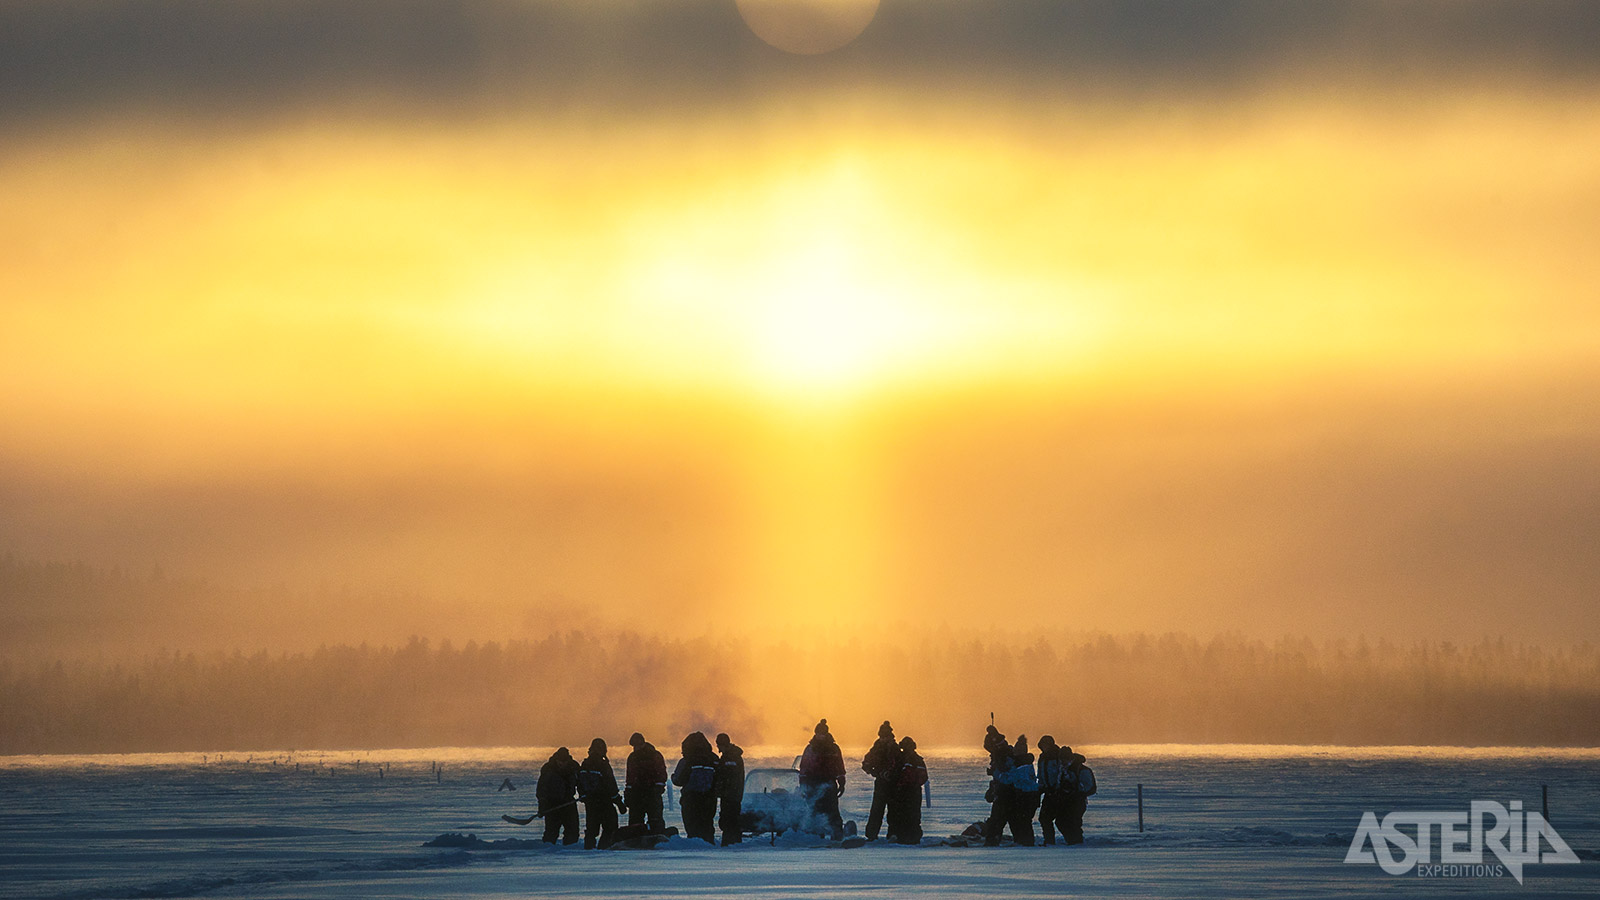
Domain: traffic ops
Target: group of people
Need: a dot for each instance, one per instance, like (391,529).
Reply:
(898,774)
(710,777)
(1058,790)
(705,778)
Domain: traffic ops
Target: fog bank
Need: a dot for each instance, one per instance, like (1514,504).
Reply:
(940,687)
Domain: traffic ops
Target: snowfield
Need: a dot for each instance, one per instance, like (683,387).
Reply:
(1220,821)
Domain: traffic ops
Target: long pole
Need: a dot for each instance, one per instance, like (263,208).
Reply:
(1544,791)
(1141,809)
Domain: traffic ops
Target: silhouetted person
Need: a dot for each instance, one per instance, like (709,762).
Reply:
(1082,787)
(882,762)
(597,790)
(822,778)
(696,776)
(730,789)
(1024,793)
(557,795)
(999,793)
(905,794)
(645,782)
(1053,793)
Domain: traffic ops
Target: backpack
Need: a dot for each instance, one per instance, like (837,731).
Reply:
(1086,785)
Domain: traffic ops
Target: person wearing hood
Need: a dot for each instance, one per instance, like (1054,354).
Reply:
(882,762)
(730,789)
(597,791)
(822,778)
(1024,793)
(558,785)
(1052,790)
(644,783)
(905,793)
(696,778)
(1080,779)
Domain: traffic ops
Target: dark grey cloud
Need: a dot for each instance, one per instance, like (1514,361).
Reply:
(251,57)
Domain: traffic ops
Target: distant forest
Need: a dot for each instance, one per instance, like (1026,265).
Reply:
(80,672)
(568,687)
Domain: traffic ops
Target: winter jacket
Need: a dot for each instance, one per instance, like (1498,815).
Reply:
(1080,780)
(821,762)
(697,770)
(730,773)
(646,767)
(1052,772)
(911,771)
(994,744)
(558,780)
(883,759)
(999,766)
(596,781)
(1020,776)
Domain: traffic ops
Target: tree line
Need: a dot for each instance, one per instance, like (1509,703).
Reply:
(568,687)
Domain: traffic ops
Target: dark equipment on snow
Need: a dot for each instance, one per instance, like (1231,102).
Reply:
(774,803)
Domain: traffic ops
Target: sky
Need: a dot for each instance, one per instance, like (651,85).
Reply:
(1211,316)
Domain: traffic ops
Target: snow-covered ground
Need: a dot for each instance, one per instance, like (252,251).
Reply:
(1220,821)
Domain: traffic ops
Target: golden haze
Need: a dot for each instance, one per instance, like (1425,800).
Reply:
(754,341)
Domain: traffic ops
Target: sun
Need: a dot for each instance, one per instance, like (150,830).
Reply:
(826,314)
(810,289)
(816,290)
(808,26)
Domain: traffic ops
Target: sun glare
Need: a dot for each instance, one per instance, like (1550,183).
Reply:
(818,292)
(820,323)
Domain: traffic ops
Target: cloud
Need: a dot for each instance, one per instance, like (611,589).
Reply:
(235,61)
